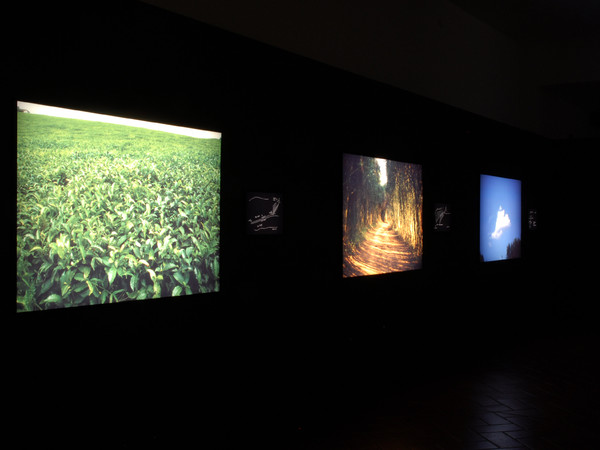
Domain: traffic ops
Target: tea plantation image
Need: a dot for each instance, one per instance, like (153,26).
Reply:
(109,213)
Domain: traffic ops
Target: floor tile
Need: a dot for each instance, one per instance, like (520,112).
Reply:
(544,397)
(480,445)
(493,419)
(496,428)
(502,440)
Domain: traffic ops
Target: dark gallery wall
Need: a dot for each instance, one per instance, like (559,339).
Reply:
(286,122)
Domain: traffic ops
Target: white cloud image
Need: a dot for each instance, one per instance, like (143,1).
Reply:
(502,222)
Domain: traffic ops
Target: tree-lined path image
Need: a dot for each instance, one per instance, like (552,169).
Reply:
(382,216)
(382,251)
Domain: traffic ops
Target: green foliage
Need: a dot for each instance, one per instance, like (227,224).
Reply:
(405,190)
(400,202)
(107,213)
(363,198)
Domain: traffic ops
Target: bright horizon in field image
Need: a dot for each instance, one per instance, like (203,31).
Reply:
(382,216)
(500,218)
(111,209)
(54,111)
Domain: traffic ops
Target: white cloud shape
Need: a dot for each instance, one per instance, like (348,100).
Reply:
(502,222)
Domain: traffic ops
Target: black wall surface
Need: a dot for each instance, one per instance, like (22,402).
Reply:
(286,330)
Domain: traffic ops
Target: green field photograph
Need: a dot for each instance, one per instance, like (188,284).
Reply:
(111,210)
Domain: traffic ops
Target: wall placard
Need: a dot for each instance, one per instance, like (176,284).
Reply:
(264,213)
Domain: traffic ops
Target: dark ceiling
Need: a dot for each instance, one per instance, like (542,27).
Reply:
(546,20)
(559,40)
(575,23)
(520,19)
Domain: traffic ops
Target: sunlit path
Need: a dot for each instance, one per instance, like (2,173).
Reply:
(382,251)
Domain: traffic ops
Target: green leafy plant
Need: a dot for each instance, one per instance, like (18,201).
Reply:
(108,213)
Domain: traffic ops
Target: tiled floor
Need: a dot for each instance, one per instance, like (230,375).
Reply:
(542,396)
(539,394)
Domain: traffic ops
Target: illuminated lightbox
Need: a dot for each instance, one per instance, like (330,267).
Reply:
(382,216)
(500,218)
(112,209)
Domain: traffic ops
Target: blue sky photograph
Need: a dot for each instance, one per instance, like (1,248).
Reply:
(500,216)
